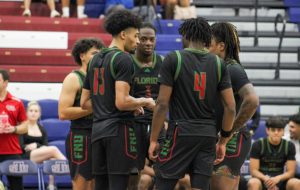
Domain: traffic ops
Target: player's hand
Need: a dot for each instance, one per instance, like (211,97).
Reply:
(150,103)
(220,152)
(153,149)
(139,111)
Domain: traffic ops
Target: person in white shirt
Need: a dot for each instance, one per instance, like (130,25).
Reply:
(292,133)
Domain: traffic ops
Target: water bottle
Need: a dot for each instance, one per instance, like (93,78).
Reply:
(3,119)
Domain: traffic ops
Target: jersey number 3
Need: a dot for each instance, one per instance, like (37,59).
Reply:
(200,84)
(99,81)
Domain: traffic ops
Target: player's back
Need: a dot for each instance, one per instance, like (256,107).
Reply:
(197,80)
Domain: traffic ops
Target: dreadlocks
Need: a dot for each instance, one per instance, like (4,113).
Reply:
(196,30)
(226,32)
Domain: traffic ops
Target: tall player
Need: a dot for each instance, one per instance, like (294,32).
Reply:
(106,89)
(81,120)
(190,80)
(225,43)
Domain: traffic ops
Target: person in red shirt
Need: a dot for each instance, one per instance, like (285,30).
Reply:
(13,122)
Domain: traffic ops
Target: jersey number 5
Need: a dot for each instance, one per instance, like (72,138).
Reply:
(200,84)
(98,81)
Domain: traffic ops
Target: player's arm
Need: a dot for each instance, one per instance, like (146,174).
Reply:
(85,100)
(254,170)
(248,107)
(228,118)
(66,110)
(245,89)
(159,116)
(229,109)
(228,102)
(125,102)
(124,69)
(290,164)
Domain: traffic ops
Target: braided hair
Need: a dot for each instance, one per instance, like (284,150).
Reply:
(227,33)
(196,30)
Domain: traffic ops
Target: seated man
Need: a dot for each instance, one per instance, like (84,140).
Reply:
(268,159)
(293,134)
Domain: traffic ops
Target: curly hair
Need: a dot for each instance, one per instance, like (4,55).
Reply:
(121,20)
(295,118)
(84,45)
(227,33)
(196,30)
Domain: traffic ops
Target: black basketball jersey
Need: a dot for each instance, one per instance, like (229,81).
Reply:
(86,121)
(238,79)
(196,77)
(107,67)
(272,158)
(145,84)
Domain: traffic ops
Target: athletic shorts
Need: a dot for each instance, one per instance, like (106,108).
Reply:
(79,153)
(179,155)
(237,150)
(117,154)
(143,140)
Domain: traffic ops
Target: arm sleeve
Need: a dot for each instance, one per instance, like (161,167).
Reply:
(291,151)
(225,78)
(255,150)
(238,76)
(167,70)
(123,68)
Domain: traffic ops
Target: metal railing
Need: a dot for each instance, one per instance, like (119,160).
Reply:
(279,19)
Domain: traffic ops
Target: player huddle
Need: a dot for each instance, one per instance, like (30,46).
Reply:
(121,96)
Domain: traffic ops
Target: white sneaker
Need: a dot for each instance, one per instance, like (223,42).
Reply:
(65,16)
(54,13)
(82,16)
(27,12)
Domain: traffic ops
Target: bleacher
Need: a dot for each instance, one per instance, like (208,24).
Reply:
(37,52)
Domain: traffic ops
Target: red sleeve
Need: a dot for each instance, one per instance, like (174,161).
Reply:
(22,113)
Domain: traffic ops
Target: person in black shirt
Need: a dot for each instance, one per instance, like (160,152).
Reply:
(78,142)
(190,80)
(269,157)
(145,84)
(35,142)
(225,43)
(107,91)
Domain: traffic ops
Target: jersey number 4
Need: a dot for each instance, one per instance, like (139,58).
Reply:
(200,84)
(98,82)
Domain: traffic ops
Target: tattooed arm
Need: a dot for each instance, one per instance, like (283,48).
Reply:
(248,107)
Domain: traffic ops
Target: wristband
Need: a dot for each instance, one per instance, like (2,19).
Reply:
(225,134)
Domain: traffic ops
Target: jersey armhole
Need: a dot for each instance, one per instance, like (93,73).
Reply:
(178,66)
(262,146)
(112,68)
(219,72)
(79,78)
(286,147)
